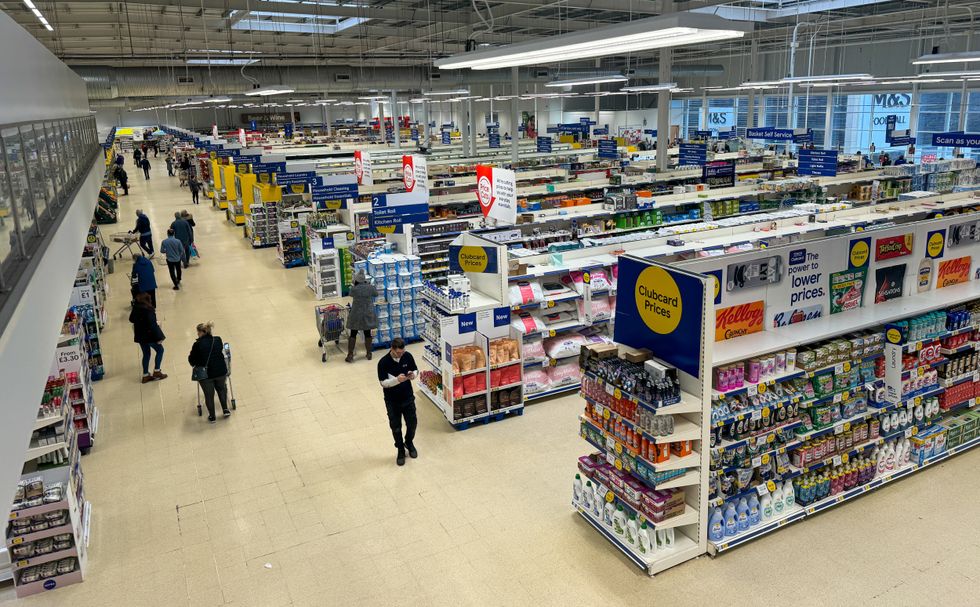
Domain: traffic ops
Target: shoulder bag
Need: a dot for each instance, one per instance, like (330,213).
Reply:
(199,373)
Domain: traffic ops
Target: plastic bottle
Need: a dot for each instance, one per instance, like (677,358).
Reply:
(743,515)
(890,457)
(643,539)
(619,522)
(588,495)
(577,490)
(754,515)
(607,514)
(716,525)
(631,531)
(789,496)
(777,501)
(597,503)
(731,520)
(766,506)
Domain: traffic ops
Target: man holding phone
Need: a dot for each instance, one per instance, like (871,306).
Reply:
(396,370)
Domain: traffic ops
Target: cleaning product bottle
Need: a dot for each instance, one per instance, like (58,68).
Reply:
(716,525)
(643,539)
(631,531)
(619,522)
(588,495)
(890,457)
(743,515)
(789,496)
(754,514)
(766,505)
(607,514)
(731,520)
(652,537)
(597,503)
(577,490)
(777,501)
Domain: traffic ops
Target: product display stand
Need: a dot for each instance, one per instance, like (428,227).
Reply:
(74,357)
(644,489)
(323,275)
(290,248)
(398,305)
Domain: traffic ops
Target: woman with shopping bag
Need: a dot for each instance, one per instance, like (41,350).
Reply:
(207,359)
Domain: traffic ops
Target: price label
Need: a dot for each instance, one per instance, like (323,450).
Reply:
(921,371)
(17,540)
(610,390)
(845,458)
(771,439)
(610,496)
(762,489)
(766,412)
(972,402)
(752,390)
(847,367)
(847,426)
(617,394)
(839,368)
(756,462)
(976,376)
(23,563)
(838,397)
(756,415)
(551,333)
(762,388)
(845,395)
(13,515)
(619,448)
(839,429)
(837,460)
(606,413)
(550,304)
(610,459)
(610,443)
(619,464)
(765,458)
(917,401)
(771,486)
(917,346)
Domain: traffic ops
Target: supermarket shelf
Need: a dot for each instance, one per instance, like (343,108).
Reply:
(794,514)
(470,372)
(753,388)
(915,346)
(552,392)
(741,348)
(45,558)
(970,345)
(44,422)
(688,402)
(506,364)
(689,478)
(37,452)
(683,550)
(953,381)
(508,386)
(762,437)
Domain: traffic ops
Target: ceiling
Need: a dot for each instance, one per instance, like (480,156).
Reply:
(339,34)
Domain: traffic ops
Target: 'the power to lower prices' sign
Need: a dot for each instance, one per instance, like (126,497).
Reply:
(496,189)
(362,168)
(481,260)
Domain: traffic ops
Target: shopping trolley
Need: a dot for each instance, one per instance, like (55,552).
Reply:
(127,240)
(331,322)
(226,351)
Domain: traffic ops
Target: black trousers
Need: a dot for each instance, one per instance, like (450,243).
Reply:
(210,386)
(146,243)
(396,412)
(194,197)
(175,272)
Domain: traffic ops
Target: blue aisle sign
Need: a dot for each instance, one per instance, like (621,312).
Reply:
(729,134)
(288,130)
(544,144)
(956,140)
(822,163)
(805,137)
(720,172)
(415,134)
(663,310)
(551,129)
(445,138)
(341,193)
(295,178)
(702,134)
(494,139)
(650,132)
(480,260)
(602,131)
(693,154)
(268,167)
(252,126)
(586,121)
(770,134)
(607,149)
(389,212)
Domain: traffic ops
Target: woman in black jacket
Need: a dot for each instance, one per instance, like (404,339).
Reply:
(148,334)
(208,352)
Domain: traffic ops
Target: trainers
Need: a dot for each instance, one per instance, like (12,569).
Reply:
(400,460)
(159,375)
(211,419)
(147,379)
(412,452)
(226,413)
(176,287)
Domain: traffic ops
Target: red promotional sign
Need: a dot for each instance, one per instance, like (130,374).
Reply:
(891,247)
(408,172)
(953,272)
(358,167)
(484,188)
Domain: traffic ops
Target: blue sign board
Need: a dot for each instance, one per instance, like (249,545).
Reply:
(227,153)
(395,210)
(480,260)
(956,140)
(693,154)
(467,322)
(891,121)
(803,137)
(720,173)
(551,129)
(494,139)
(327,242)
(903,140)
(445,138)
(702,134)
(607,149)
(650,132)
(663,310)
(252,126)
(544,144)
(602,131)
(586,121)
(729,134)
(415,134)
(288,130)
(268,167)
(770,134)
(822,163)
(501,316)
(295,178)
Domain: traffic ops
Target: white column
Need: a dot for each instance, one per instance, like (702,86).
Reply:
(472,123)
(514,115)
(394,119)
(828,121)
(663,110)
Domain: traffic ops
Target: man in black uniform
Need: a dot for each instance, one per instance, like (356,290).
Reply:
(396,370)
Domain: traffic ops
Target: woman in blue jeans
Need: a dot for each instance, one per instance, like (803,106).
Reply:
(148,334)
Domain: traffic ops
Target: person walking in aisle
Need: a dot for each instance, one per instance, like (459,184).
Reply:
(195,187)
(143,229)
(207,358)
(145,165)
(146,279)
(174,250)
(183,231)
(137,155)
(148,334)
(361,317)
(123,178)
(170,166)
(396,370)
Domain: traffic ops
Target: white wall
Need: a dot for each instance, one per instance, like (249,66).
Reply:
(37,86)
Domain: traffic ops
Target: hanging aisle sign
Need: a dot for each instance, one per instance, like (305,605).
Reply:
(415,174)
(446,140)
(389,212)
(956,140)
(288,130)
(333,191)
(607,148)
(818,162)
(770,134)
(728,134)
(544,145)
(362,168)
(497,193)
(803,136)
(481,260)
(295,178)
(693,154)
(719,173)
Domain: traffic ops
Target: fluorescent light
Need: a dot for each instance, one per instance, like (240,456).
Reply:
(827,77)
(269,90)
(948,58)
(588,80)
(373,98)
(664,31)
(448,92)
(324,101)
(418,100)
(650,88)
(225,52)
(37,13)
(949,74)
(217,100)
(221,61)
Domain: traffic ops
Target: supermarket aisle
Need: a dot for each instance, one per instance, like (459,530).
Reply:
(296,500)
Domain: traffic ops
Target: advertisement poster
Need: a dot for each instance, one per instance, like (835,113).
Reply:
(389,212)
(497,192)
(806,277)
(736,321)
(935,244)
(859,253)
(791,317)
(481,260)
(889,283)
(891,247)
(362,168)
(847,290)
(953,272)
(415,173)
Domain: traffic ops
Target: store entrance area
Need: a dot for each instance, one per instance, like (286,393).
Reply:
(296,499)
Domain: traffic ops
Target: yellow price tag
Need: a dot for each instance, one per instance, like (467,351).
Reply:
(845,395)
(765,458)
(771,486)
(550,304)
(762,388)
(617,394)
(610,496)
(922,371)
(605,413)
(619,448)
(844,458)
(917,400)
(915,430)
(766,412)
(847,426)
(847,367)
(619,464)
(551,333)
(771,439)
(17,540)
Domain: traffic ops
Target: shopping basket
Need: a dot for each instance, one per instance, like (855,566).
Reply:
(331,323)
(127,240)
(226,351)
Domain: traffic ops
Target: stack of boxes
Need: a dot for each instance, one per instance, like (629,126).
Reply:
(398,278)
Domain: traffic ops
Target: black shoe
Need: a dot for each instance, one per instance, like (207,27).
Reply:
(412,452)
(176,287)
(226,413)
(400,460)
(211,419)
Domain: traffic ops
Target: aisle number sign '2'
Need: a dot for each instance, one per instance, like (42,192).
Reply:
(664,314)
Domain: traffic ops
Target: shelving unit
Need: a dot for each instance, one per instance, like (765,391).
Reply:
(323,275)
